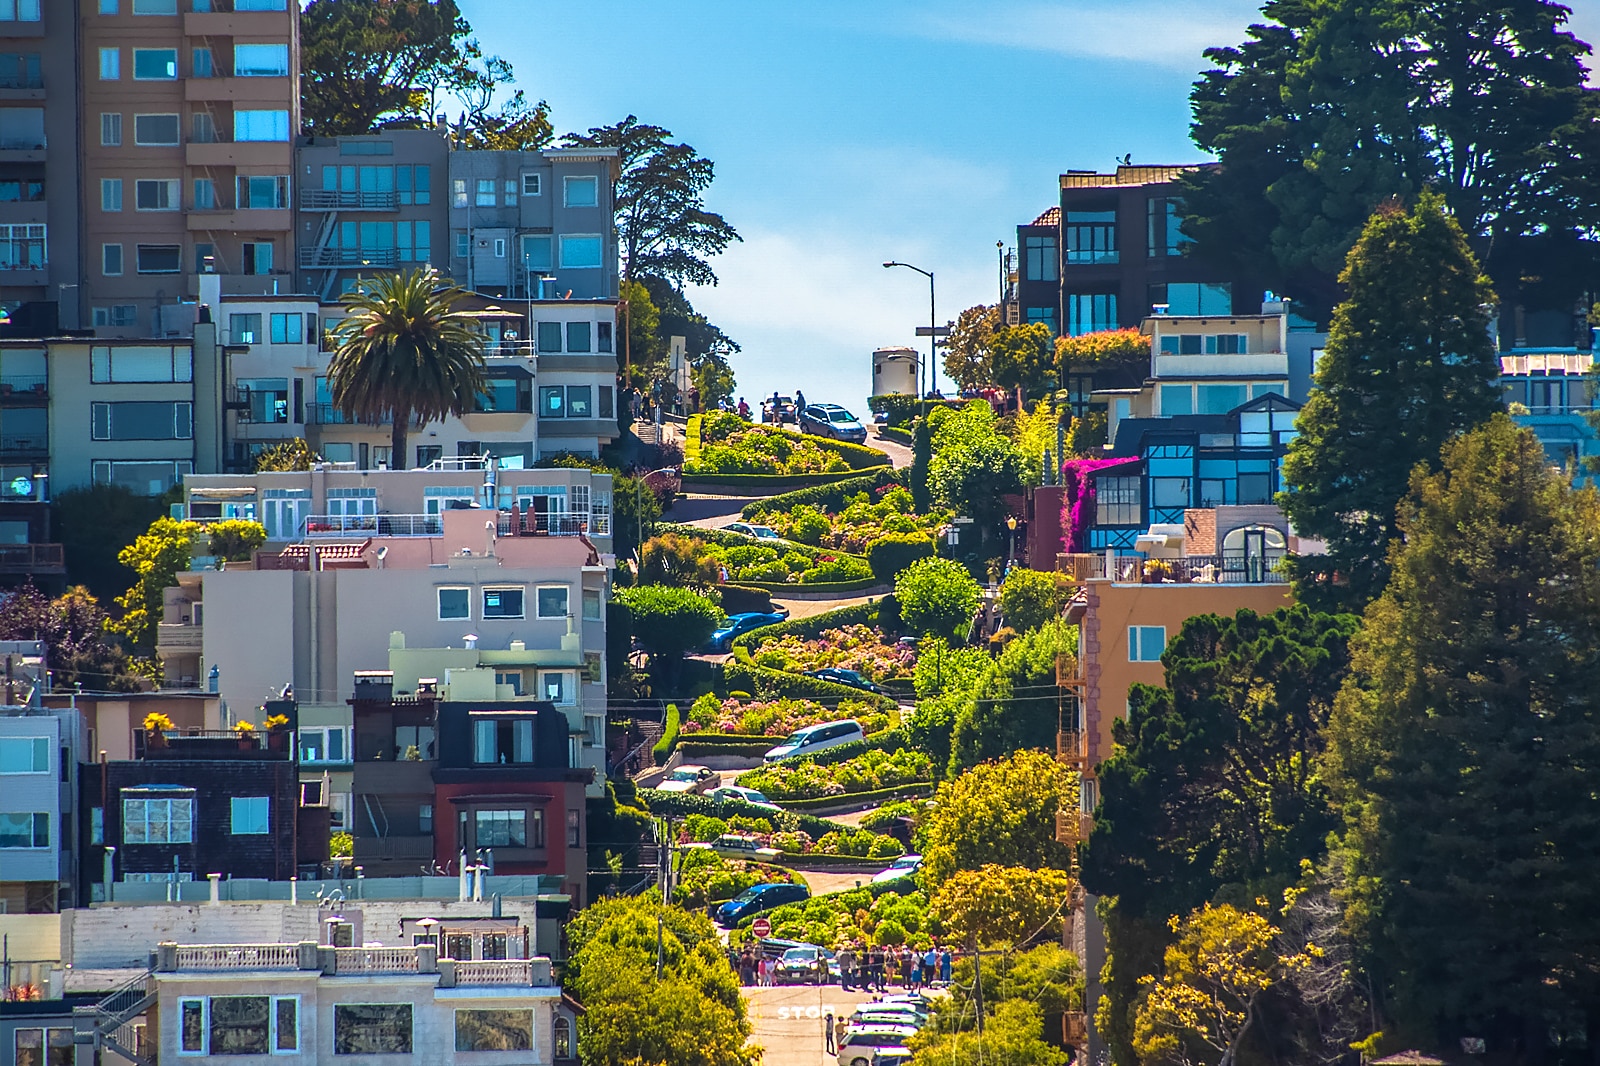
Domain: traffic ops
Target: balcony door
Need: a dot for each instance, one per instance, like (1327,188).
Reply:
(284,516)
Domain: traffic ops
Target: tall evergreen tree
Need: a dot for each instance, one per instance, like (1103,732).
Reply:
(1462,753)
(1409,363)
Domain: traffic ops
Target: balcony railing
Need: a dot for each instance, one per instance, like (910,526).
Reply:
(432,525)
(34,387)
(24,445)
(338,199)
(214,957)
(348,257)
(376,960)
(22,81)
(1228,568)
(327,414)
(534,524)
(179,635)
(31,558)
(501,972)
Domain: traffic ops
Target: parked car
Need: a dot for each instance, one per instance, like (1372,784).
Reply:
(831,420)
(758,898)
(871,1014)
(860,1045)
(815,738)
(840,676)
(785,409)
(695,780)
(804,965)
(739,846)
(892,1056)
(758,532)
(739,624)
(743,795)
(904,866)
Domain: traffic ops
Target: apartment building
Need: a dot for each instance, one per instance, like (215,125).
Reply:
(1551,392)
(38,167)
(28,551)
(40,749)
(188,111)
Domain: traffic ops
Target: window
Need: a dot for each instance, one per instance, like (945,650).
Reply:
(502,603)
(1199,298)
(1090,312)
(502,740)
(424,818)
(155,64)
(561,1037)
(286,329)
(19,10)
(256,257)
(322,744)
(22,127)
(97,822)
(602,331)
(109,7)
(501,829)
(592,606)
(532,185)
(1041,262)
(111,129)
(413,183)
(1220,399)
(1163,224)
(156,195)
(249,815)
(244,328)
(110,64)
(574,829)
(155,130)
(263,193)
(111,194)
(372,1029)
(24,755)
(493,1030)
(581,192)
(202,128)
(142,420)
(158,258)
(455,603)
(551,601)
(558,686)
(485,193)
(261,125)
(458,198)
(44,1047)
(21,190)
(1047,315)
(127,364)
(22,247)
(205,194)
(21,70)
(158,821)
(202,64)
(578,402)
(117,315)
(549,336)
(1091,236)
(1176,400)
(593,674)
(1146,643)
(142,477)
(463,244)
(580,251)
(1118,501)
(155,7)
(499,247)
(238,1025)
(261,60)
(536,255)
(25,830)
(511,192)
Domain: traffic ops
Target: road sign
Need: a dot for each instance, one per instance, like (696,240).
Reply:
(761,927)
(933,331)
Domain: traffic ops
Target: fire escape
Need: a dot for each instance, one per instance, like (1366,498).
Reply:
(115,1023)
(1072,826)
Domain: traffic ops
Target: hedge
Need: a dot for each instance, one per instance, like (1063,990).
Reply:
(859,456)
(745,598)
(853,799)
(865,614)
(726,539)
(683,804)
(765,484)
(829,497)
(691,437)
(893,552)
(898,434)
(843,863)
(669,735)
(767,683)
(901,408)
(699,749)
(832,587)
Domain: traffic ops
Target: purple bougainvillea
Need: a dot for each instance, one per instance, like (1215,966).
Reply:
(1077,502)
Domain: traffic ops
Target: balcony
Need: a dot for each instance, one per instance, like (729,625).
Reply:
(214,744)
(354,961)
(24,391)
(277,154)
(1246,365)
(28,446)
(21,86)
(347,257)
(263,220)
(179,638)
(238,91)
(32,559)
(327,414)
(342,200)
(1228,568)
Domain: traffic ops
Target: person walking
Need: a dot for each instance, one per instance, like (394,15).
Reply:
(744,409)
(946,964)
(777,409)
(694,399)
(828,1044)
(930,965)
(847,968)
(908,969)
(877,967)
(799,401)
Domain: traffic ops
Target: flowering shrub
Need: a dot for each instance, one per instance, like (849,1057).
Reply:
(855,916)
(679,559)
(867,772)
(707,877)
(859,648)
(729,445)
(776,718)
(859,523)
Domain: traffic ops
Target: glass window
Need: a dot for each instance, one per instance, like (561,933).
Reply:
(1041,264)
(205,194)
(266,192)
(454,603)
(578,402)
(192,1025)
(24,755)
(202,64)
(111,129)
(1090,312)
(155,7)
(1047,315)
(249,815)
(552,601)
(156,195)
(458,198)
(19,10)
(43,1047)
(158,821)
(159,258)
(1177,400)
(549,336)
(111,194)
(502,603)
(260,60)
(111,260)
(1199,298)
(592,609)
(536,253)
(142,420)
(532,185)
(552,401)
(494,1030)
(1220,399)
(561,1040)
(372,1029)
(261,125)
(602,331)
(24,829)
(1146,643)
(580,251)
(110,64)
(155,130)
(485,193)
(1091,236)
(240,1025)
(1118,501)
(577,336)
(510,192)
(286,329)
(244,329)
(155,64)
(581,192)
(501,829)
(1169,492)
(557,686)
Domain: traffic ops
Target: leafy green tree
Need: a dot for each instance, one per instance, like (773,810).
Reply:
(645,351)
(668,621)
(937,597)
(1033,598)
(291,455)
(1113,356)
(1409,363)
(405,352)
(921,456)
(235,540)
(93,524)
(966,350)
(1015,703)
(157,556)
(659,197)
(1001,812)
(706,347)
(1329,109)
(1020,357)
(73,628)
(1462,751)
(1002,904)
(1013,1035)
(1087,435)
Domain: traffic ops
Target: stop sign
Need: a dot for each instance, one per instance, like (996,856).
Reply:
(761,927)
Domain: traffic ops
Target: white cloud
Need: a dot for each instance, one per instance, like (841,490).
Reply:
(1168,33)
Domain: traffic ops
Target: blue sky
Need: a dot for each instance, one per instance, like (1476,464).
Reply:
(849,132)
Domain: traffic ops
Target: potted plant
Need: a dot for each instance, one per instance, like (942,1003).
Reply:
(156,726)
(247,735)
(277,727)
(1157,571)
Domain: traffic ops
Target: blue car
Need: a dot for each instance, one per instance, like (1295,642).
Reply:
(758,898)
(738,624)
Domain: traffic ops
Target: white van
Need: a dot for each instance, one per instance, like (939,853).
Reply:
(815,738)
(860,1046)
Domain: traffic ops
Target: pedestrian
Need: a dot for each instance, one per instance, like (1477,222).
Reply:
(946,964)
(694,399)
(930,965)
(877,967)
(827,1033)
(777,409)
(763,971)
(799,401)
(744,409)
(847,968)
(908,969)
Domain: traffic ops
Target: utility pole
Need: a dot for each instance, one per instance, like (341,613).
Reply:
(977,989)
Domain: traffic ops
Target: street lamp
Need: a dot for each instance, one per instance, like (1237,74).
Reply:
(933,328)
(638,505)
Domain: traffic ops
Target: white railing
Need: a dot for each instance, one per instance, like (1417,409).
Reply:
(495,972)
(238,957)
(376,960)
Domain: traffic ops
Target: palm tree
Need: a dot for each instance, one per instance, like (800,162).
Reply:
(405,352)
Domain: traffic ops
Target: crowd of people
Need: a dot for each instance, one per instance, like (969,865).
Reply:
(873,968)
(664,397)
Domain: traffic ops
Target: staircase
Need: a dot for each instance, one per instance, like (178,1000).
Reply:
(109,1024)
(651,732)
(647,432)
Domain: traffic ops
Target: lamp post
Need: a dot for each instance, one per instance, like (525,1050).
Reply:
(933,327)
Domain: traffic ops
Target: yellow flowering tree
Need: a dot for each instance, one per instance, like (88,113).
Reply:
(994,904)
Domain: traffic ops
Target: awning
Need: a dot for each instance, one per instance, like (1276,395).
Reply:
(203,493)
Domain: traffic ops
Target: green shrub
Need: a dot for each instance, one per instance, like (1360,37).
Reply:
(1032,598)
(844,568)
(775,572)
(810,628)
(682,804)
(702,827)
(871,771)
(828,497)
(937,597)
(809,524)
(769,684)
(669,735)
(892,553)
(738,599)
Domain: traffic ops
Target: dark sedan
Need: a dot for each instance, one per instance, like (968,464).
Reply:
(738,624)
(840,676)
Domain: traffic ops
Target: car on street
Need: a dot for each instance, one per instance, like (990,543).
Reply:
(869,1014)
(840,676)
(743,795)
(739,624)
(804,965)
(758,532)
(739,846)
(758,898)
(892,1056)
(695,780)
(904,866)
(859,1045)
(814,738)
(831,420)
(785,406)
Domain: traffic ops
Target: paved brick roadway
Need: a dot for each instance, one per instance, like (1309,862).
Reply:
(787,1021)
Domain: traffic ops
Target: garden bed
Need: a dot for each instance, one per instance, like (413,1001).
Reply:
(855,647)
(854,522)
(741,676)
(829,497)
(855,801)
(869,773)
(711,717)
(807,628)
(722,444)
(765,484)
